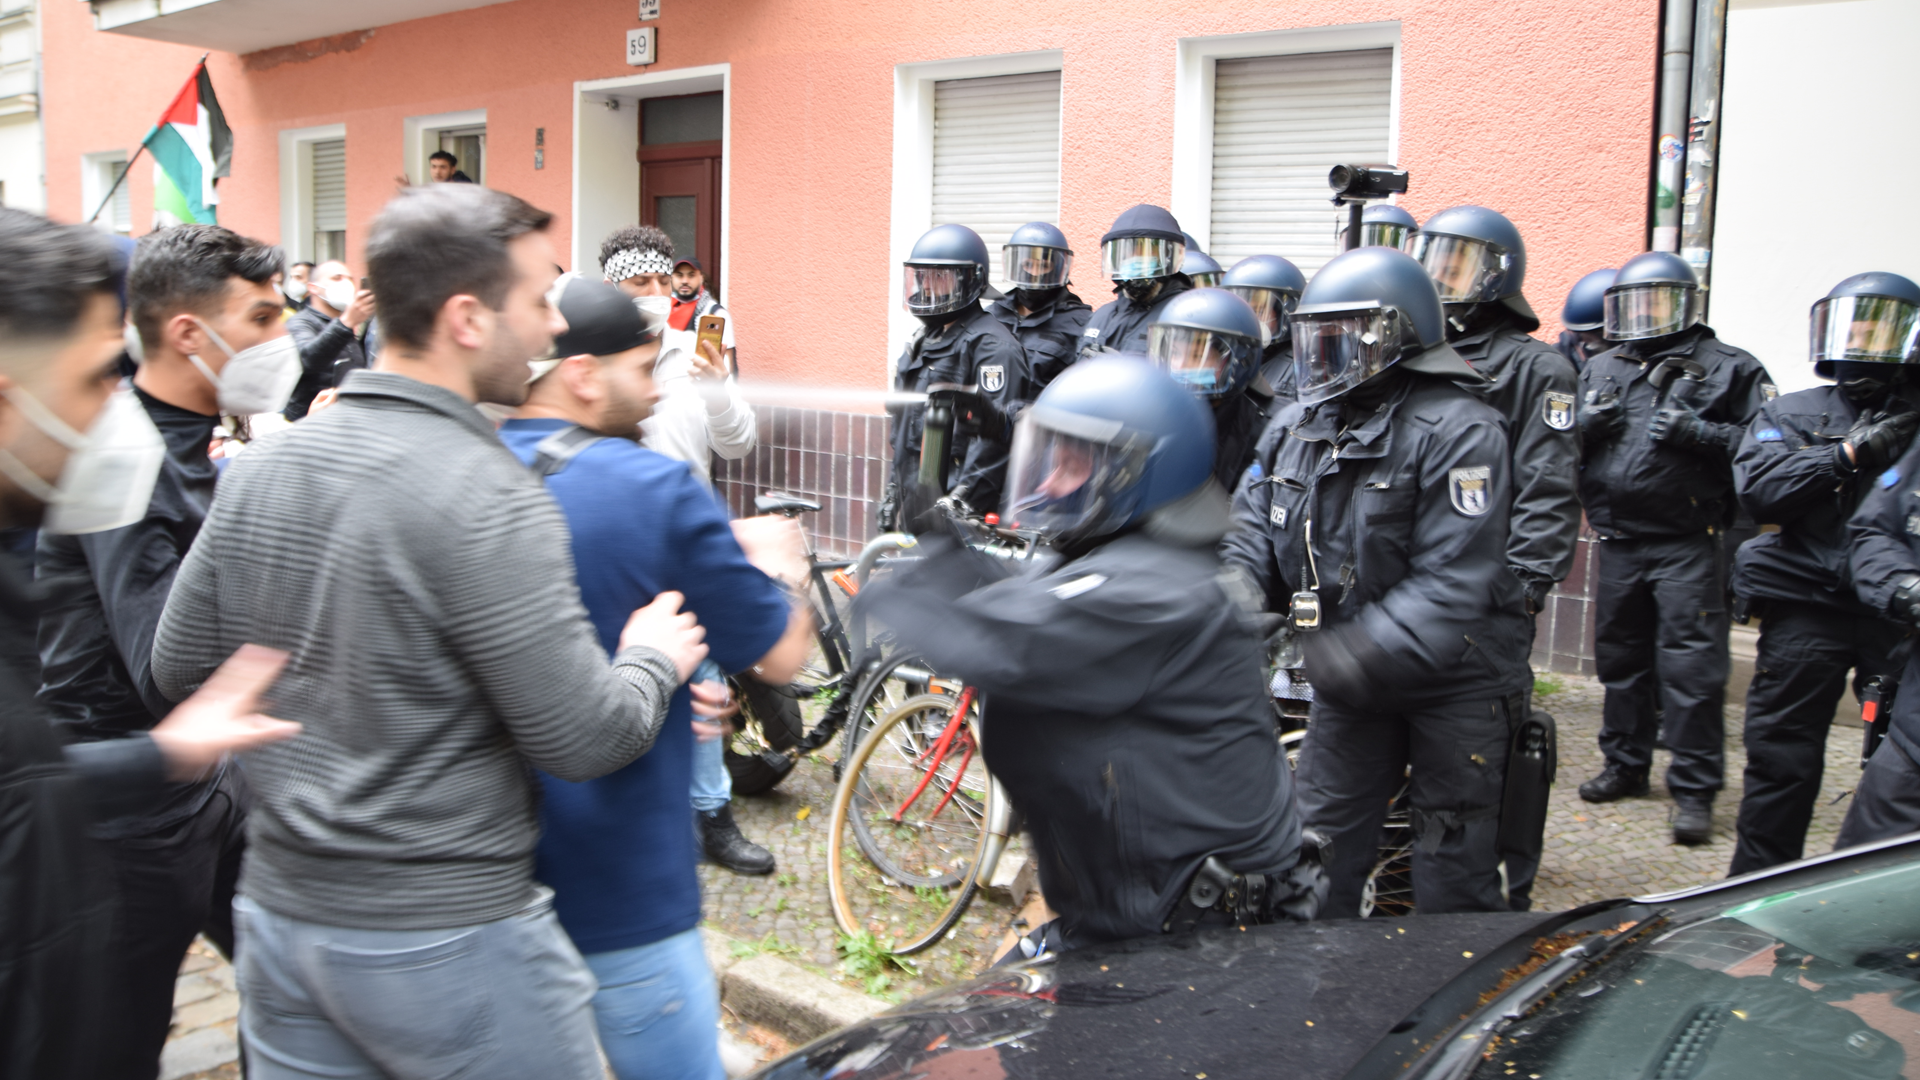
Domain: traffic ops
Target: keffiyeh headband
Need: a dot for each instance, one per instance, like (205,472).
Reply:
(632,262)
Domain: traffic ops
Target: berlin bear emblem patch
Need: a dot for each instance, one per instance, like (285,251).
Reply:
(1468,489)
(1558,411)
(993,377)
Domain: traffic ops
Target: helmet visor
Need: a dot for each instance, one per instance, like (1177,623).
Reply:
(940,289)
(1208,362)
(1273,306)
(1656,309)
(1466,271)
(1206,281)
(1864,328)
(1381,234)
(1336,348)
(1032,267)
(1139,258)
(1072,483)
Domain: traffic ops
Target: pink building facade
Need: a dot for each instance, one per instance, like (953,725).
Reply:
(842,129)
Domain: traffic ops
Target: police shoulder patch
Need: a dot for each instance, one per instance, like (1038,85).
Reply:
(1913,524)
(993,377)
(1558,410)
(1467,488)
(1768,435)
(1768,390)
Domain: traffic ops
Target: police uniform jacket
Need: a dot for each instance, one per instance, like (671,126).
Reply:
(1789,473)
(1535,388)
(1050,334)
(1885,535)
(1632,486)
(1407,511)
(1237,425)
(1121,324)
(1126,713)
(972,350)
(1276,370)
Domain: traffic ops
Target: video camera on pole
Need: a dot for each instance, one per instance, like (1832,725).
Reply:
(1354,185)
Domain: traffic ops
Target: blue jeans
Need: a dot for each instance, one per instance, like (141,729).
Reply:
(659,1010)
(712,784)
(507,999)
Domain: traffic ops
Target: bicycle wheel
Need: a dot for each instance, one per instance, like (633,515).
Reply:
(1388,891)
(885,688)
(909,826)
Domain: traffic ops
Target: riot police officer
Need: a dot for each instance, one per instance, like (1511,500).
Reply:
(1479,264)
(1385,225)
(1123,683)
(1806,463)
(1142,253)
(1209,340)
(1583,315)
(1374,518)
(1200,267)
(1271,287)
(1661,417)
(958,344)
(1042,310)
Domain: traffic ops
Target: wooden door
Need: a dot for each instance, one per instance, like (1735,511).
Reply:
(680,194)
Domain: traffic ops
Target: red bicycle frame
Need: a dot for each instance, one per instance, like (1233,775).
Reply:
(955,729)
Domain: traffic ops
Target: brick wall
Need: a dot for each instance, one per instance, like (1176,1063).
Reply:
(1563,632)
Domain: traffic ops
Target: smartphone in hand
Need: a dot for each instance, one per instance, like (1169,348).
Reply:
(713,328)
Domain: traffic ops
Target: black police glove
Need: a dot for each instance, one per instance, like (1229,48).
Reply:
(1344,662)
(975,412)
(1878,440)
(1536,589)
(1678,427)
(1906,600)
(1602,421)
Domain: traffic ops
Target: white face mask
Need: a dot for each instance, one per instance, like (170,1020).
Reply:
(339,294)
(110,471)
(296,291)
(255,380)
(654,311)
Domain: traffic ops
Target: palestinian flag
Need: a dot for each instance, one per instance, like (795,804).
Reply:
(191,147)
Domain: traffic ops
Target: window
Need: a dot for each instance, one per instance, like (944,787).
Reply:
(996,155)
(462,134)
(97,175)
(1279,124)
(329,172)
(468,145)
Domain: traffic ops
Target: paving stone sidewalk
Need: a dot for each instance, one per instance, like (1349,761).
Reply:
(1592,853)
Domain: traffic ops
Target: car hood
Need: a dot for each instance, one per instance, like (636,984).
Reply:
(1220,1003)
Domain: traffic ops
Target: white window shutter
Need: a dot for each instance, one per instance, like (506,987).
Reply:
(1279,124)
(330,185)
(996,155)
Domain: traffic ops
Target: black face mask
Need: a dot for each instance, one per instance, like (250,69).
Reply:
(1035,299)
(1865,384)
(1141,290)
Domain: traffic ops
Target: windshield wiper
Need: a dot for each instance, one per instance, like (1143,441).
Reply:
(1465,1046)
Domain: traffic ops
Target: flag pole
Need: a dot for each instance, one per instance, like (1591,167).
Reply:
(122,178)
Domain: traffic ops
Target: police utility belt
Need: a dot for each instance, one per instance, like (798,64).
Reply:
(1218,896)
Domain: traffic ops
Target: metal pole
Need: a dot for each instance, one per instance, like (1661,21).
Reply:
(1670,134)
(117,181)
(1355,210)
(1703,144)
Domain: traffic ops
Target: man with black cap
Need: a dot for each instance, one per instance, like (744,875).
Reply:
(616,850)
(691,300)
(1142,253)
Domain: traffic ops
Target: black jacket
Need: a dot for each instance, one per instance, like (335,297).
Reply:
(1632,486)
(973,350)
(1535,388)
(1409,530)
(1791,472)
(1126,714)
(1276,370)
(1121,325)
(1885,535)
(1237,425)
(1050,334)
(329,349)
(103,594)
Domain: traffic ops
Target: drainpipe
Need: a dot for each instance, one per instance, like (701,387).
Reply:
(1670,129)
(1703,144)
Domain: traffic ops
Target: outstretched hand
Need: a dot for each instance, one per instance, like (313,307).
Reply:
(219,718)
(663,627)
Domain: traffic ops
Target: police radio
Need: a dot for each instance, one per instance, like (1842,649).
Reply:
(1305,610)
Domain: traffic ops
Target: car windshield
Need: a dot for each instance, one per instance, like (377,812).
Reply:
(1823,980)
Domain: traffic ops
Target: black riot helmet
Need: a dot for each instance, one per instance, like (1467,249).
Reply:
(1209,340)
(1654,295)
(1384,225)
(1475,255)
(1271,286)
(1036,257)
(1365,311)
(1585,308)
(1868,319)
(1145,244)
(947,271)
(1200,267)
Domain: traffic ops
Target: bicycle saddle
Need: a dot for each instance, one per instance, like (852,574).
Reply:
(778,502)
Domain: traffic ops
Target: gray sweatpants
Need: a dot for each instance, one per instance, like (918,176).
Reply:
(506,999)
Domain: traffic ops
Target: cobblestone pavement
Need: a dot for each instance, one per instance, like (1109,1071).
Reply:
(1592,853)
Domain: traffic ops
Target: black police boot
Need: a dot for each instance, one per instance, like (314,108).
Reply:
(1692,819)
(725,845)
(1615,783)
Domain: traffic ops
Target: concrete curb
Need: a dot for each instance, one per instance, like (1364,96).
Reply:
(783,997)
